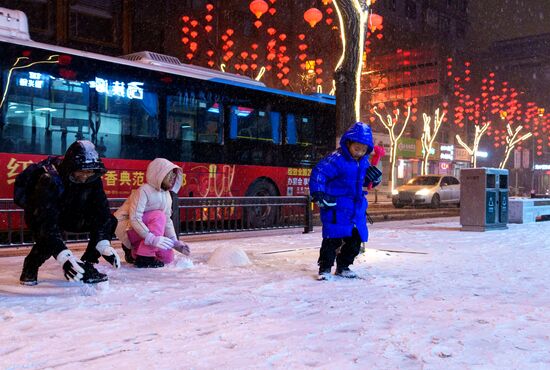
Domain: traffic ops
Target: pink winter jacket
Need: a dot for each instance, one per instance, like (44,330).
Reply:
(148,197)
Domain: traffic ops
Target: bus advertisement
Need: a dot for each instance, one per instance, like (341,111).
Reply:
(232,135)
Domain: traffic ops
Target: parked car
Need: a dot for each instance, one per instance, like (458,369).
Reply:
(429,190)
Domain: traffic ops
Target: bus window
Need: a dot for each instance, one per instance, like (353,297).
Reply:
(300,130)
(191,116)
(181,117)
(45,113)
(251,124)
(209,125)
(127,118)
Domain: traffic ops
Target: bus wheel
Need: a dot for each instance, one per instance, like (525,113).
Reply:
(261,216)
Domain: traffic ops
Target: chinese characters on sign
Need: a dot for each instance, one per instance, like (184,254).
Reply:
(14,168)
(131,90)
(116,182)
(298,181)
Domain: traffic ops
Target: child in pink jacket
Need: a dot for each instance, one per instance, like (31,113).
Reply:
(144,223)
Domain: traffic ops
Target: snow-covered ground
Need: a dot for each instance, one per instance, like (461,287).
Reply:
(449,300)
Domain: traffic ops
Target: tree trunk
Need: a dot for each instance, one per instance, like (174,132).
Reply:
(345,75)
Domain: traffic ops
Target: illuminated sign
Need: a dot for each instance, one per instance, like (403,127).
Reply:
(482,154)
(542,167)
(131,90)
(34,80)
(447,152)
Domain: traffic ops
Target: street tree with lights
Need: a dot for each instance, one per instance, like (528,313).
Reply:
(429,133)
(391,123)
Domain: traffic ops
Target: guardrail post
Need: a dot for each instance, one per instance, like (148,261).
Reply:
(308,222)
(175,212)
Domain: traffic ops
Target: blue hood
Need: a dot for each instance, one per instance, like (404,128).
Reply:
(360,133)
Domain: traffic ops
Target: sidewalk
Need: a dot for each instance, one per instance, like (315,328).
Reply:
(429,297)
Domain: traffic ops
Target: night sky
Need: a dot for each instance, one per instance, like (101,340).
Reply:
(493,20)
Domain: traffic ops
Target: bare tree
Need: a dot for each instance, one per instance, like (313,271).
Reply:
(353,16)
(429,134)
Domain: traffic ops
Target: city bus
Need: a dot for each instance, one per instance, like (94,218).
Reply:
(232,135)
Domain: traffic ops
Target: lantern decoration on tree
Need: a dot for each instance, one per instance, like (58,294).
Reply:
(375,21)
(313,16)
(258,8)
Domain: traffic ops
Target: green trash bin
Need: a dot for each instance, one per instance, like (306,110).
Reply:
(483,199)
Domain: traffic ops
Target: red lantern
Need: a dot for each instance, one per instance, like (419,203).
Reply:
(272,11)
(209,7)
(271,31)
(258,24)
(285,81)
(375,21)
(208,28)
(258,7)
(313,16)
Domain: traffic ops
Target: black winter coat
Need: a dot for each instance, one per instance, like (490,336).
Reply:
(54,206)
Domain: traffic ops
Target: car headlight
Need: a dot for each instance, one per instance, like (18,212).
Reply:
(423,192)
(394,192)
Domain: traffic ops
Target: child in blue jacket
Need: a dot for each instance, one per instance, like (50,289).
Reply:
(336,184)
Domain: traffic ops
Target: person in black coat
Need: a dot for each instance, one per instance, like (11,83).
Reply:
(70,200)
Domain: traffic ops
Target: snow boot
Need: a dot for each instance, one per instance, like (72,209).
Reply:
(128,255)
(147,262)
(345,272)
(91,275)
(29,275)
(324,274)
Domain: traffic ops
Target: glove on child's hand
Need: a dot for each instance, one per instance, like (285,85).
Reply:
(180,246)
(373,175)
(71,267)
(323,200)
(108,252)
(160,242)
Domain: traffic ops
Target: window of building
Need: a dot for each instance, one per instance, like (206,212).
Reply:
(410,9)
(95,21)
(444,24)
(460,30)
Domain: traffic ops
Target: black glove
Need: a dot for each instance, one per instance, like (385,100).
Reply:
(323,199)
(72,266)
(373,175)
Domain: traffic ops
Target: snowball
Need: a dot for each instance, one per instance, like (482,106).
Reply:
(229,257)
(184,263)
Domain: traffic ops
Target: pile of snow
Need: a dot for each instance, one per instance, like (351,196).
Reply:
(229,257)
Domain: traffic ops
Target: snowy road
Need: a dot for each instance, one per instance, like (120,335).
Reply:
(462,301)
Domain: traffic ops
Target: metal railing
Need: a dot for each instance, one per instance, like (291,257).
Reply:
(193,216)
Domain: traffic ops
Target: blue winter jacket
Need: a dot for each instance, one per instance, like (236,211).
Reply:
(340,176)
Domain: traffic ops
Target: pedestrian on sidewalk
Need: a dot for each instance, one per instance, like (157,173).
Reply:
(60,195)
(144,225)
(336,185)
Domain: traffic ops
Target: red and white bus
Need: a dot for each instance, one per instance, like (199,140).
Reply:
(232,135)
